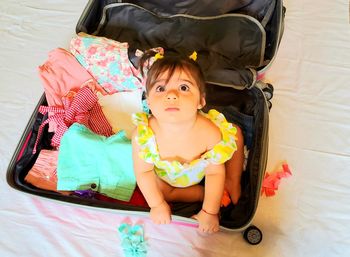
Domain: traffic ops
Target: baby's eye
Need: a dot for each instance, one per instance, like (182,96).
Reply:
(184,87)
(160,88)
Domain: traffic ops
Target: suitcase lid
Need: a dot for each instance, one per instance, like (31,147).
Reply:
(229,47)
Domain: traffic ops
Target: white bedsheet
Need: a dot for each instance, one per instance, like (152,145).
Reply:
(309,128)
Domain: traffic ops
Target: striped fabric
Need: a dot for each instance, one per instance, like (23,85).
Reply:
(83,108)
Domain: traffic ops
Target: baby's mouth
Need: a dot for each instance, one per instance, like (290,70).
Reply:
(172,109)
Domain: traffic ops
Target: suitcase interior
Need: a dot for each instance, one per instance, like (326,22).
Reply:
(251,102)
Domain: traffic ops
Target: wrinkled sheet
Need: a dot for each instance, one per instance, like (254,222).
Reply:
(309,129)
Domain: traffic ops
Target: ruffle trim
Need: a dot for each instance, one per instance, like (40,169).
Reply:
(220,153)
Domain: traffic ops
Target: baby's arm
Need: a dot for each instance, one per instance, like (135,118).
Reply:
(208,217)
(147,182)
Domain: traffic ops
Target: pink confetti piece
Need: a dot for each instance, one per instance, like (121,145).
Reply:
(271,181)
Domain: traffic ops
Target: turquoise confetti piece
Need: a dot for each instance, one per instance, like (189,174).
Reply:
(133,242)
(145,106)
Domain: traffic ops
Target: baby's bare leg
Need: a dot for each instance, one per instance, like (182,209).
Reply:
(234,168)
(175,194)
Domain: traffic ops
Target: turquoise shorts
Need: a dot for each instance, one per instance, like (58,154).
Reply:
(90,161)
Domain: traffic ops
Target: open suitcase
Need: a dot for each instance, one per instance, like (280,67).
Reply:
(236,43)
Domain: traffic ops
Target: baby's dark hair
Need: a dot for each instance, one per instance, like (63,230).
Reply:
(171,63)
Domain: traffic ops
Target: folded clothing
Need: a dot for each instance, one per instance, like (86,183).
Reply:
(107,61)
(82,107)
(60,74)
(43,174)
(90,161)
(119,107)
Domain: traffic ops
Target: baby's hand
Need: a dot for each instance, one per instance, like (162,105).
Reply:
(208,223)
(161,214)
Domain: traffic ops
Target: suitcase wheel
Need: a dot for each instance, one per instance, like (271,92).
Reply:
(268,91)
(252,235)
(269,105)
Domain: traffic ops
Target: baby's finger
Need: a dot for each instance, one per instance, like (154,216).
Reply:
(214,230)
(165,221)
(202,229)
(209,231)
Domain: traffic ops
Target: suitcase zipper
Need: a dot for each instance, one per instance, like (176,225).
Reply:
(279,36)
(238,87)
(251,19)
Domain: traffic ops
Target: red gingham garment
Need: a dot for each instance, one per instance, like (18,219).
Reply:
(84,109)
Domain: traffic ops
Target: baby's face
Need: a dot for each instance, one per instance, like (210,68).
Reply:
(176,100)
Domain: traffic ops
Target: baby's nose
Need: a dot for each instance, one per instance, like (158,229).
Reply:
(172,95)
